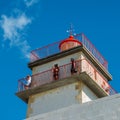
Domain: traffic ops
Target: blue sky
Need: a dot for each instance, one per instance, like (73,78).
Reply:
(29,24)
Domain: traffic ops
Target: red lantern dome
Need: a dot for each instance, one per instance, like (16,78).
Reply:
(69,43)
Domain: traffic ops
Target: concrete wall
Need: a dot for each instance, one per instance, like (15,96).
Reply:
(94,73)
(60,62)
(87,94)
(61,97)
(107,108)
(85,66)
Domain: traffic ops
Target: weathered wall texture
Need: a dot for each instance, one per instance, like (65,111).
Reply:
(60,62)
(107,108)
(87,94)
(61,97)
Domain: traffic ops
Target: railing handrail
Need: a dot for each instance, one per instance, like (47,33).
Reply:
(46,46)
(85,41)
(84,38)
(61,67)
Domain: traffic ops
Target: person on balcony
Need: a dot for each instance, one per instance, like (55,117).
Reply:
(26,82)
(55,72)
(73,66)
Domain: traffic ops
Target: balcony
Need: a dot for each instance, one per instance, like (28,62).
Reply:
(54,49)
(85,72)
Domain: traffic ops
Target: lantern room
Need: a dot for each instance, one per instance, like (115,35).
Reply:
(69,43)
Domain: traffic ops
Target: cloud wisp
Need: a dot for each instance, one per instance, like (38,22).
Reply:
(14,26)
(13,30)
(29,3)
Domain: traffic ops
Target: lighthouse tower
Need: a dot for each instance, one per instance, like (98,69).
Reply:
(82,76)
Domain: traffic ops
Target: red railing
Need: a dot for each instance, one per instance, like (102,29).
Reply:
(54,48)
(86,42)
(45,51)
(47,76)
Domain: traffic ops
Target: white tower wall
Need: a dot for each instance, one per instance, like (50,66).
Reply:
(60,97)
(107,108)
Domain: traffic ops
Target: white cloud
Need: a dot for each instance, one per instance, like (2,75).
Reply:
(13,29)
(25,48)
(30,2)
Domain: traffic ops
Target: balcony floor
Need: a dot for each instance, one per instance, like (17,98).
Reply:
(84,77)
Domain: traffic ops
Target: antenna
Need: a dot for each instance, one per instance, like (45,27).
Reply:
(70,30)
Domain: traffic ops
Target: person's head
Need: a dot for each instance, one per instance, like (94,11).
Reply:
(56,65)
(27,77)
(72,59)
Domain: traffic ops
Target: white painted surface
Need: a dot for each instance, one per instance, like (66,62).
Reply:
(53,99)
(101,109)
(87,95)
(58,98)
(67,95)
(60,62)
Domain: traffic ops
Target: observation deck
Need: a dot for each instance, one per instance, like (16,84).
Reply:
(44,81)
(54,48)
(93,73)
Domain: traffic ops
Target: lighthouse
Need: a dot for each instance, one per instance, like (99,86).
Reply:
(65,75)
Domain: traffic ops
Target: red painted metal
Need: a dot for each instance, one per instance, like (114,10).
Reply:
(45,51)
(70,39)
